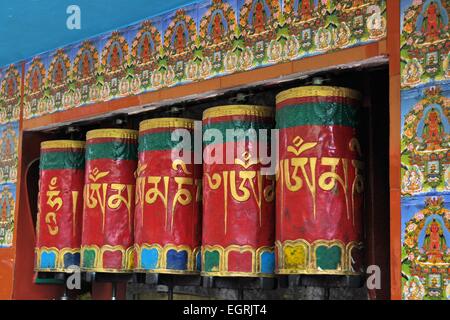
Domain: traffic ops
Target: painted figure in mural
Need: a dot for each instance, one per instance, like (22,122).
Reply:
(11,87)
(432,130)
(115,58)
(6,200)
(306,9)
(413,182)
(59,73)
(413,72)
(86,66)
(434,243)
(6,146)
(432,21)
(180,39)
(259,17)
(35,81)
(413,289)
(218,29)
(4,211)
(145,49)
(357,3)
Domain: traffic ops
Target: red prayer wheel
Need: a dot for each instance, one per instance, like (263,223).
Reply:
(319,196)
(60,204)
(238,200)
(108,213)
(168,198)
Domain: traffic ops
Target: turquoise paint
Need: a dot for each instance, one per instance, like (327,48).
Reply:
(30,27)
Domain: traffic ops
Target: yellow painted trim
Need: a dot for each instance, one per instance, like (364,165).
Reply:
(166,123)
(62,144)
(223,260)
(311,267)
(112,133)
(59,262)
(238,110)
(317,91)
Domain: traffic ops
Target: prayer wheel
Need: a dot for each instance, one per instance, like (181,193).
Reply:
(60,204)
(319,195)
(108,213)
(238,199)
(168,198)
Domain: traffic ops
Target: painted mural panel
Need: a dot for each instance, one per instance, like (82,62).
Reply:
(7,206)
(425,41)
(9,140)
(199,41)
(10,94)
(425,149)
(10,102)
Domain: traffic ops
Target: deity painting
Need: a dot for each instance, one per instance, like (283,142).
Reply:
(246,58)
(35,81)
(6,204)
(10,86)
(432,130)
(115,57)
(323,39)
(291,47)
(343,35)
(306,9)
(432,58)
(145,48)
(412,72)
(412,181)
(217,57)
(180,38)
(413,289)
(86,64)
(259,16)
(59,73)
(205,68)
(217,27)
(8,144)
(434,243)
(358,21)
(434,18)
(376,23)
(306,35)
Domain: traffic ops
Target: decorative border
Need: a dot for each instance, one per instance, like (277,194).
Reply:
(112,133)
(200,41)
(161,267)
(310,258)
(62,144)
(237,110)
(127,265)
(165,123)
(59,258)
(223,260)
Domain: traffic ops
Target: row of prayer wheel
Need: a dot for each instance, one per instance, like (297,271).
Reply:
(121,201)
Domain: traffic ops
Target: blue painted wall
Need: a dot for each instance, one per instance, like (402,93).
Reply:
(29,27)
